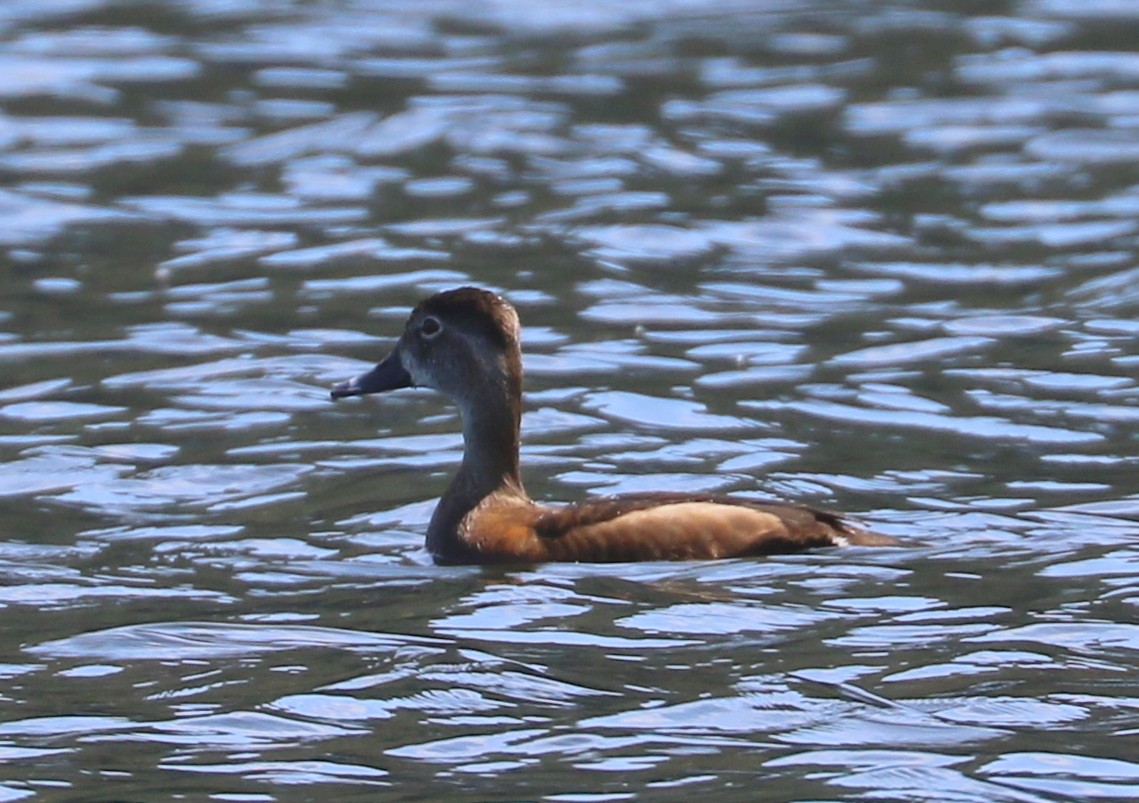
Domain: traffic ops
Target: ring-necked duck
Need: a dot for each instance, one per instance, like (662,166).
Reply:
(465,344)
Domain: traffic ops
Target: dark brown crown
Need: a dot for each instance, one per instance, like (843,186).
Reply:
(476,310)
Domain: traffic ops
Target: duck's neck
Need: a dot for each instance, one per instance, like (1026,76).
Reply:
(491,438)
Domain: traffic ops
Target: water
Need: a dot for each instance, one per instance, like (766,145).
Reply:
(880,257)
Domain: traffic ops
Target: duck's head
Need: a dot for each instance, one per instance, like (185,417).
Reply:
(462,342)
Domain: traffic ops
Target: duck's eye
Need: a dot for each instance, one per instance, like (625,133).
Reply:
(430,327)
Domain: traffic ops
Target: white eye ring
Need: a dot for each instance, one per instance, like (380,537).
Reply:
(430,327)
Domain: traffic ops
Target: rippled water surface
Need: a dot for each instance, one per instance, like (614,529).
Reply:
(879,257)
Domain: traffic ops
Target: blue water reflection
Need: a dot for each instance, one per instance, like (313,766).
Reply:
(878,259)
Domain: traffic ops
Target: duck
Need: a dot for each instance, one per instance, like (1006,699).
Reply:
(466,344)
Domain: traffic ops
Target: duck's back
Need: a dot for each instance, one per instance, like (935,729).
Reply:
(637,527)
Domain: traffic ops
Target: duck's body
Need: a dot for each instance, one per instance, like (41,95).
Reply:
(506,526)
(465,343)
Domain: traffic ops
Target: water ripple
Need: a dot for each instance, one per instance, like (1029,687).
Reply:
(199,640)
(752,254)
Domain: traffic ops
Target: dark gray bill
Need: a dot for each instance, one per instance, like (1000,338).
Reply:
(388,375)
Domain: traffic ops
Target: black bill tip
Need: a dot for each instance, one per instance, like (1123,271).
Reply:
(350,387)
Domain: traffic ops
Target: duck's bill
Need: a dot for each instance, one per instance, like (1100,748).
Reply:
(388,375)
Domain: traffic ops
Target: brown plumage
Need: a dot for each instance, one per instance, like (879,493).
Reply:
(465,343)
